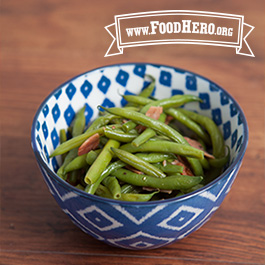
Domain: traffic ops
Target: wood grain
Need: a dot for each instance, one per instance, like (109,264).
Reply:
(45,43)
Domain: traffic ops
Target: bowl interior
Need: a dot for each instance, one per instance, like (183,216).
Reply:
(104,86)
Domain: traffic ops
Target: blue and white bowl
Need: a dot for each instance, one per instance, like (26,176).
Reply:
(134,225)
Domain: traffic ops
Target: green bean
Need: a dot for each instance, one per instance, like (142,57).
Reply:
(120,136)
(196,166)
(146,92)
(138,163)
(110,168)
(79,122)
(196,187)
(164,147)
(170,168)
(137,197)
(128,126)
(174,101)
(80,187)
(77,163)
(127,188)
(63,138)
(189,123)
(91,156)
(103,140)
(103,191)
(180,193)
(214,132)
(149,89)
(81,176)
(137,99)
(75,142)
(174,182)
(220,162)
(81,161)
(68,158)
(143,137)
(101,162)
(72,177)
(113,185)
(205,163)
(155,157)
(101,121)
(77,129)
(147,133)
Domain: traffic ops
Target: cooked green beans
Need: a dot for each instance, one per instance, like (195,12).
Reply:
(142,119)
(147,133)
(165,147)
(174,101)
(175,113)
(176,182)
(113,185)
(75,142)
(139,152)
(147,92)
(101,162)
(110,168)
(77,163)
(137,197)
(215,134)
(170,168)
(138,163)
(77,129)
(155,157)
(79,123)
(119,135)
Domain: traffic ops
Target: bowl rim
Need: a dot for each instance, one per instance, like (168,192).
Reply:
(236,163)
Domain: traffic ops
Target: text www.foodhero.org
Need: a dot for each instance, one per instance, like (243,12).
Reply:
(185,26)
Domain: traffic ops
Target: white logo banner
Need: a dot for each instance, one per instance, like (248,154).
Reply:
(179,27)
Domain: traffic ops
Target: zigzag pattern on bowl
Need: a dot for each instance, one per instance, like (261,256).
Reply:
(97,220)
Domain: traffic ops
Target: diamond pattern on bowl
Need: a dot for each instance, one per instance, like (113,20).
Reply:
(165,78)
(104,84)
(86,88)
(70,91)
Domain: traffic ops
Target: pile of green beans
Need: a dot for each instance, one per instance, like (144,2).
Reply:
(139,158)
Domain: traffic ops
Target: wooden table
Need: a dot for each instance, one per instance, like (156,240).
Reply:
(45,43)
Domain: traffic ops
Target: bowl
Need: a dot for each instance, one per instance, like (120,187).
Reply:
(134,225)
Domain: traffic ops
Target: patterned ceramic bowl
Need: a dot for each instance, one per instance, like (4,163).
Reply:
(135,225)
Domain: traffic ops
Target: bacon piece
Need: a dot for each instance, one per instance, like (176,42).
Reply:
(168,119)
(90,144)
(198,145)
(140,128)
(186,170)
(153,112)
